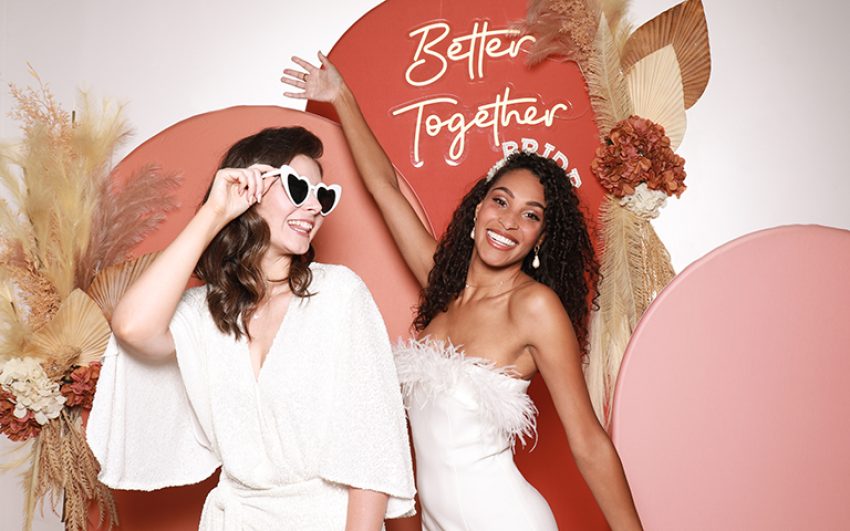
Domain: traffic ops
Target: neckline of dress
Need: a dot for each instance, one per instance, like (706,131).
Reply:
(279,337)
(447,346)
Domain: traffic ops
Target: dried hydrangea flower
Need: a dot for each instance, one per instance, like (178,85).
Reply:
(637,151)
(34,392)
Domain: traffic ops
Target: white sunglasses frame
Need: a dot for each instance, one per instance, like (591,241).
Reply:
(287,169)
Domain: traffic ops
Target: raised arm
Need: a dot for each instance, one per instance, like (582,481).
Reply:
(556,354)
(141,318)
(325,83)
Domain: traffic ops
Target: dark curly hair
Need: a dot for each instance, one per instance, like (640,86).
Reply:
(230,265)
(568,263)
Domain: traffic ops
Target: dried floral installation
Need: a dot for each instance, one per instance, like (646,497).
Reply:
(640,83)
(67,229)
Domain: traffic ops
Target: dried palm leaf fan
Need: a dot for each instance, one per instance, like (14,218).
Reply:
(655,87)
(109,286)
(684,27)
(77,334)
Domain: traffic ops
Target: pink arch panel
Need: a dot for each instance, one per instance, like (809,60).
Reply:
(731,410)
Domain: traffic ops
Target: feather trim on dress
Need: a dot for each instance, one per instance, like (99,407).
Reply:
(427,367)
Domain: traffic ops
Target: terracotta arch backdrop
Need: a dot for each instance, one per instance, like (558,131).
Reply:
(353,234)
(733,398)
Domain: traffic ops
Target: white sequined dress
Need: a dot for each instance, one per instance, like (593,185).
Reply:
(465,416)
(325,414)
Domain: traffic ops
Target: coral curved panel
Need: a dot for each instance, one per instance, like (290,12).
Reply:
(732,403)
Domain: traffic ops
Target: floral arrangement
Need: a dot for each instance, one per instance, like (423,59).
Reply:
(638,151)
(640,84)
(29,399)
(65,234)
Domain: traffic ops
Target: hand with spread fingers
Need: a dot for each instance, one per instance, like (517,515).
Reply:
(318,83)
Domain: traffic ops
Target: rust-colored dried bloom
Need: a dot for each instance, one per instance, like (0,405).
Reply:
(80,385)
(16,429)
(37,292)
(635,151)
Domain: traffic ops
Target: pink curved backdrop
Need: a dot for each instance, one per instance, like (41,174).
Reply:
(731,410)
(354,235)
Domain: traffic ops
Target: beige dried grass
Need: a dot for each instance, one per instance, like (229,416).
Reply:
(606,84)
(63,166)
(33,290)
(635,267)
(13,326)
(563,28)
(127,215)
(65,219)
(67,471)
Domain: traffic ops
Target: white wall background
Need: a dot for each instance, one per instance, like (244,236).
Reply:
(765,145)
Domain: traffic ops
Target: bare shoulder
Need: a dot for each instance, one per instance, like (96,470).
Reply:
(539,314)
(535,301)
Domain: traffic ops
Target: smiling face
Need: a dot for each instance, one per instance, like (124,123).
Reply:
(509,220)
(292,228)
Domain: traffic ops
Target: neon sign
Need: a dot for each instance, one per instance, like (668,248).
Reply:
(482,42)
(435,52)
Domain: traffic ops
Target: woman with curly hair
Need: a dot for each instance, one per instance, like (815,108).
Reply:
(505,295)
(278,370)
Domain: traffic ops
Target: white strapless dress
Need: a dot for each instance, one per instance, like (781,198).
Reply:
(466,415)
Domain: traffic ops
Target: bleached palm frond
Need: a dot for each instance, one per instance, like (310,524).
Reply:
(609,94)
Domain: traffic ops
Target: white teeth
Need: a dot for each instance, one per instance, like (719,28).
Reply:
(501,239)
(301,225)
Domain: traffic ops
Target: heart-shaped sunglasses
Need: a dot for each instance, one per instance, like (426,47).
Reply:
(297,188)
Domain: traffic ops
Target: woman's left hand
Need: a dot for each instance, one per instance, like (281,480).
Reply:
(317,83)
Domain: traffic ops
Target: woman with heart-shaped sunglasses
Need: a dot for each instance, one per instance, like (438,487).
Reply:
(279,370)
(505,294)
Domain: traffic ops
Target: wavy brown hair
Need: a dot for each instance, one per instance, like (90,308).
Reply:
(568,263)
(230,265)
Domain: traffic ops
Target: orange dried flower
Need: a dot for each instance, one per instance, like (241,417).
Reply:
(16,429)
(638,150)
(80,385)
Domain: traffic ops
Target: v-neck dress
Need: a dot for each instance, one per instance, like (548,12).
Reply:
(324,414)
